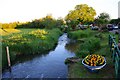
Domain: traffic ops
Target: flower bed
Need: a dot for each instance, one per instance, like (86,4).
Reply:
(94,62)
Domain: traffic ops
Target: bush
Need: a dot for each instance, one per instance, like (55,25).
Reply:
(90,46)
(78,34)
(47,23)
(82,53)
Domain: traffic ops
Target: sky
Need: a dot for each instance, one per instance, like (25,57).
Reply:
(28,10)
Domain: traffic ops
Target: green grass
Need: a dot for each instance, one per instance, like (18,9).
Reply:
(29,42)
(4,32)
(79,71)
(95,42)
(80,34)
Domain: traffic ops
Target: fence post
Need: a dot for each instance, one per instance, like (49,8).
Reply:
(115,55)
(117,66)
(8,58)
(110,42)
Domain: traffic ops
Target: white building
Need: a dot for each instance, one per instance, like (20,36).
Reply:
(119,9)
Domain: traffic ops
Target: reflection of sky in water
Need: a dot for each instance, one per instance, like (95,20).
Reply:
(49,66)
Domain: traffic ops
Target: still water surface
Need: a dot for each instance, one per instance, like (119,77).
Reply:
(44,66)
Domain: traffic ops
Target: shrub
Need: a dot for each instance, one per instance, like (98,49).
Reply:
(78,34)
(90,46)
(82,53)
(44,23)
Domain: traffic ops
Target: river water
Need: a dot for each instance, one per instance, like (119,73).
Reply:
(44,66)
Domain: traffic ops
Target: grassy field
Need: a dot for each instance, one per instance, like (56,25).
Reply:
(28,42)
(91,42)
(4,32)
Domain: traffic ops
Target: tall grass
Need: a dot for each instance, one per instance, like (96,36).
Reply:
(80,34)
(90,46)
(29,42)
(95,42)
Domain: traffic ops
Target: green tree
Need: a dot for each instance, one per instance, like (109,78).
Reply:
(103,18)
(82,12)
(115,21)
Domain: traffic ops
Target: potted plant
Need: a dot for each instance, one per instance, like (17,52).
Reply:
(94,62)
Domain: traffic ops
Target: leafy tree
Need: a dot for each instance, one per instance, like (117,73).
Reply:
(0,25)
(115,21)
(103,18)
(59,22)
(82,13)
(47,22)
(9,25)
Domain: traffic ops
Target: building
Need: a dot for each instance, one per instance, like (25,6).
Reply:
(119,9)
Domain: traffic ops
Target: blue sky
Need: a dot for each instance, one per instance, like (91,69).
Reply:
(27,10)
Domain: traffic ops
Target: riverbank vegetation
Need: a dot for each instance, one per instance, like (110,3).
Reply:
(91,42)
(28,42)
(41,35)
(29,38)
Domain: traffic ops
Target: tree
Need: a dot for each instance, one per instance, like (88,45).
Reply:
(115,21)
(82,12)
(102,19)
(59,22)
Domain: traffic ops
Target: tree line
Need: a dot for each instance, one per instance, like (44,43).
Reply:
(47,22)
(81,13)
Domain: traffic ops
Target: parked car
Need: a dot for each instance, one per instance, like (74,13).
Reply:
(110,27)
(115,27)
(94,27)
(82,27)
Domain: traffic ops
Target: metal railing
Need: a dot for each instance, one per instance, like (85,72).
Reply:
(115,55)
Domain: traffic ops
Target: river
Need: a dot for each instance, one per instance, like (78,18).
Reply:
(44,66)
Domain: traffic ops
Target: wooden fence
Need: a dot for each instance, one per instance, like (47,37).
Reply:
(115,55)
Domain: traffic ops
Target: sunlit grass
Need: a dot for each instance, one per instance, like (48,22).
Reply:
(29,42)
(4,32)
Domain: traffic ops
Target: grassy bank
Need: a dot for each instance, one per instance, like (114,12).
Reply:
(4,32)
(91,42)
(28,42)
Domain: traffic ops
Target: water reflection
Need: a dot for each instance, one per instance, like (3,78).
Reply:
(50,65)
(72,46)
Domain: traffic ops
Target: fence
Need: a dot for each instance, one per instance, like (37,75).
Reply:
(115,55)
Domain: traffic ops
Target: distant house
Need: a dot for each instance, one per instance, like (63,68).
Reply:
(119,9)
